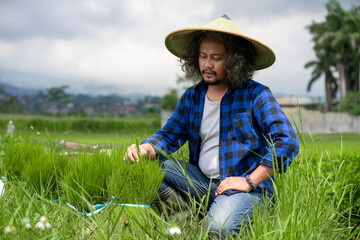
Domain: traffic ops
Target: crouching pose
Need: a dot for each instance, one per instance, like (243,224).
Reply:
(235,129)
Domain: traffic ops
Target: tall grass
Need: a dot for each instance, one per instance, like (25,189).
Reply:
(306,205)
(317,198)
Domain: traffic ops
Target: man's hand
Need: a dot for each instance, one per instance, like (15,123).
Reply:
(233,183)
(133,152)
(260,175)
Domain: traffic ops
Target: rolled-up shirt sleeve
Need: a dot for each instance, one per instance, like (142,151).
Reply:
(174,133)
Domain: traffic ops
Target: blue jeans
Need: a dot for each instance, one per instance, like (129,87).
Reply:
(226,212)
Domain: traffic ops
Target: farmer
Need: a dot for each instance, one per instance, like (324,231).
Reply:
(10,128)
(236,131)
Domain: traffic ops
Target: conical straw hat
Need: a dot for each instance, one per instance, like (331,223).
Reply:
(177,41)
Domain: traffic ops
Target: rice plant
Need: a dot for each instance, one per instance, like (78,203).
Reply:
(87,178)
(137,183)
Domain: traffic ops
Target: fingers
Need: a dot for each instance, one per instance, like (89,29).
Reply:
(223,187)
(132,153)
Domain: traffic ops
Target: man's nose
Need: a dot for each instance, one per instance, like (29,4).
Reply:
(208,63)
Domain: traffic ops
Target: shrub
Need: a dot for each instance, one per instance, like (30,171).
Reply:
(351,103)
(170,100)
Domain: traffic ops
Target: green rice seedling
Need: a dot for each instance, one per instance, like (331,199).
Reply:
(44,172)
(15,152)
(87,178)
(40,180)
(135,183)
(32,162)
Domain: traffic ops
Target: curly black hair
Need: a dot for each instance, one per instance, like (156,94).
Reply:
(239,62)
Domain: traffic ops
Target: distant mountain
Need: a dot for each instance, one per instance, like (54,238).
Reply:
(18,91)
(39,82)
(21,91)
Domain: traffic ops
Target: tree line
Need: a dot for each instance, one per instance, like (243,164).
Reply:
(56,101)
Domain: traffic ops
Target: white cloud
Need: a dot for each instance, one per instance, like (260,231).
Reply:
(129,50)
(121,43)
(287,36)
(6,49)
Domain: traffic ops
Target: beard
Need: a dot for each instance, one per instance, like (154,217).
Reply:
(216,82)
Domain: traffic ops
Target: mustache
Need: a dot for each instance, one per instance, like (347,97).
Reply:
(209,70)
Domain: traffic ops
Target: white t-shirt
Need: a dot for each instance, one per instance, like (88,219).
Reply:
(209,133)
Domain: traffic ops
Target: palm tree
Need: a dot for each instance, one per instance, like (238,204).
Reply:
(323,66)
(335,38)
(352,28)
(344,37)
(325,62)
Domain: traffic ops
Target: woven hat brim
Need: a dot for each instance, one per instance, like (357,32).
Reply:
(177,41)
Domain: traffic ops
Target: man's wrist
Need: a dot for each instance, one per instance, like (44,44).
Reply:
(147,149)
(250,182)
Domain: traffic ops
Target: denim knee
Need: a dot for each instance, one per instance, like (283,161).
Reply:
(220,223)
(227,213)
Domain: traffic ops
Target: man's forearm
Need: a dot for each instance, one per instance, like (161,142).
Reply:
(261,174)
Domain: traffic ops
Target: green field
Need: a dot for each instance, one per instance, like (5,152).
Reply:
(63,125)
(332,144)
(318,197)
(319,144)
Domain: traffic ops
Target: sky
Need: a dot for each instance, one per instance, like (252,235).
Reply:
(117,46)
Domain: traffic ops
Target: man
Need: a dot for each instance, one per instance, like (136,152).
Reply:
(236,132)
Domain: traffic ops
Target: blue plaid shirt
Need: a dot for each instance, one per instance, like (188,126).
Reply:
(253,131)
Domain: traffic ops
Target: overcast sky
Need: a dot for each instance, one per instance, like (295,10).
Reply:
(117,46)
